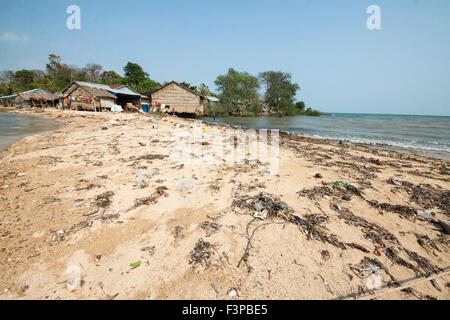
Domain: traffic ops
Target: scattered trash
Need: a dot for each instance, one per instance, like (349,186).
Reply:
(136,264)
(445,224)
(78,203)
(426,215)
(261,214)
(376,161)
(232,292)
(318,176)
(74,273)
(378,250)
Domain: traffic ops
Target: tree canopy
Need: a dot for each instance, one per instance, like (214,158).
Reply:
(237,89)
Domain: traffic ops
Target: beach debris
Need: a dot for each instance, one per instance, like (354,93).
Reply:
(318,176)
(104,200)
(315,230)
(217,216)
(144,174)
(232,292)
(177,232)
(376,161)
(74,280)
(338,190)
(187,184)
(266,204)
(337,183)
(445,224)
(325,255)
(357,246)
(153,198)
(136,264)
(209,227)
(426,215)
(367,267)
(46,200)
(152,156)
(404,211)
(426,242)
(150,250)
(202,253)
(78,203)
(58,236)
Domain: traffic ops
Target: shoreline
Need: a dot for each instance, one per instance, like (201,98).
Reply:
(16,138)
(379,146)
(74,201)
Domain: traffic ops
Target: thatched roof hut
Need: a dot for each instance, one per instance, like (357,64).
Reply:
(178,99)
(37,98)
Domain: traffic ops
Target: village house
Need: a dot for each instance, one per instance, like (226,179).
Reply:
(175,98)
(37,98)
(80,95)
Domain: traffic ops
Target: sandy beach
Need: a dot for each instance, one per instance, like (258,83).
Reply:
(340,221)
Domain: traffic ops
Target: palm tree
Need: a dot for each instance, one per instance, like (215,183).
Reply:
(204,90)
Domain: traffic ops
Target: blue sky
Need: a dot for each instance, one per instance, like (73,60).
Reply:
(341,66)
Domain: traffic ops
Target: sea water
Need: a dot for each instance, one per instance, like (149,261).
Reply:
(427,135)
(16,126)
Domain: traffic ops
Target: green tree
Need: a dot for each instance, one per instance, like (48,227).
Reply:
(134,74)
(300,105)
(237,89)
(23,80)
(203,89)
(61,74)
(111,77)
(280,91)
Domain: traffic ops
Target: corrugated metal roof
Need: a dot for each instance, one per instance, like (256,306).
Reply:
(212,99)
(121,90)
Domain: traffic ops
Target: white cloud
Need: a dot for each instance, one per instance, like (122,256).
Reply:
(13,37)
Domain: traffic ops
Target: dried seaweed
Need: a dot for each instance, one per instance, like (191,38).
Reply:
(202,253)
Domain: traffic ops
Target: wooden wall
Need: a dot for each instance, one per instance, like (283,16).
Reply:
(179,99)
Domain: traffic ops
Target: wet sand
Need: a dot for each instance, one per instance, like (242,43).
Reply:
(71,200)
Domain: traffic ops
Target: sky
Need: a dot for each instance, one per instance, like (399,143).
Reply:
(340,65)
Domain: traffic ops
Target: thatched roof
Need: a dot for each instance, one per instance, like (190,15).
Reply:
(38,95)
(97,92)
(176,83)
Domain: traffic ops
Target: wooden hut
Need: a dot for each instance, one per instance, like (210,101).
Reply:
(174,98)
(79,97)
(38,98)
